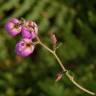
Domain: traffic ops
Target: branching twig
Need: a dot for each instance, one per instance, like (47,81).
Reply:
(64,69)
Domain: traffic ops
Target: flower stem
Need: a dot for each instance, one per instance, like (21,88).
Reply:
(71,78)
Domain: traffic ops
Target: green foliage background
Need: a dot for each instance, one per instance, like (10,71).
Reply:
(74,23)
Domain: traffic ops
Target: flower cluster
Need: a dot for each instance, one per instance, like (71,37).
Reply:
(28,30)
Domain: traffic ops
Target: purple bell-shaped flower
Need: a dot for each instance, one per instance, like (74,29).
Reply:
(29,30)
(24,47)
(13,26)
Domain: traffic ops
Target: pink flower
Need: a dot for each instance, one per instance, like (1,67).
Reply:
(29,30)
(24,47)
(13,26)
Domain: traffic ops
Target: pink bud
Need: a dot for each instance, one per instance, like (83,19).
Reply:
(58,77)
(53,39)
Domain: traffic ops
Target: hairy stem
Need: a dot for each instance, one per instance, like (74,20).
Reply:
(64,69)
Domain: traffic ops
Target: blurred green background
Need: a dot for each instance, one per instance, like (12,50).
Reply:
(74,23)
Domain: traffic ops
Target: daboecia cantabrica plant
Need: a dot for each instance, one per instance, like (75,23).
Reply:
(30,38)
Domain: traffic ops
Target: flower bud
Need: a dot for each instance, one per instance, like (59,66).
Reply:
(13,26)
(58,77)
(24,47)
(53,40)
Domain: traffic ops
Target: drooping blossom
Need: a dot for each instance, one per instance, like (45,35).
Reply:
(29,30)
(24,47)
(13,26)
